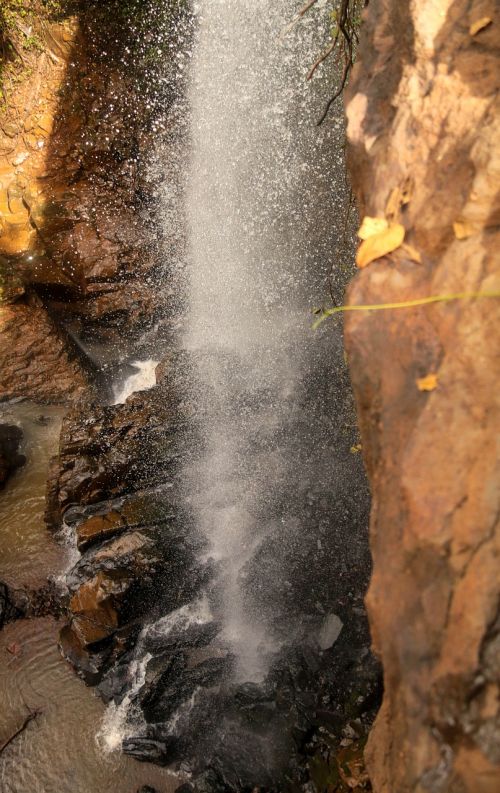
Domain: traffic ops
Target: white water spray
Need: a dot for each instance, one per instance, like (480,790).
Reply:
(257,266)
(141,380)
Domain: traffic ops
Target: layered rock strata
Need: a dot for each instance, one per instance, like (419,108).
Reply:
(423,137)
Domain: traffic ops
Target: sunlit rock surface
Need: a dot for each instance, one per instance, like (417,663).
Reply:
(424,131)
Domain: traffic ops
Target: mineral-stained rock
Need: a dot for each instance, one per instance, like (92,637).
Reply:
(10,459)
(36,359)
(98,528)
(94,606)
(424,131)
(80,216)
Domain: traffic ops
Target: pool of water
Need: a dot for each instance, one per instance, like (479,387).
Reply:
(28,550)
(57,752)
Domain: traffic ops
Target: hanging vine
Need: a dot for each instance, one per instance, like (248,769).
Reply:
(346,19)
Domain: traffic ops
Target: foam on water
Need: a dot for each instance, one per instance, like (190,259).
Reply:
(141,380)
(125,719)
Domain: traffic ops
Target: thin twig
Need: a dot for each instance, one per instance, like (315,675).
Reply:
(420,301)
(323,57)
(31,715)
(298,16)
(337,93)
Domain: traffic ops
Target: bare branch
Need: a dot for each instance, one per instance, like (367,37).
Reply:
(31,715)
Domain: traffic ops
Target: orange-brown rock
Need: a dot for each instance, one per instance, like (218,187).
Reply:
(95,606)
(36,361)
(424,132)
(98,528)
(79,211)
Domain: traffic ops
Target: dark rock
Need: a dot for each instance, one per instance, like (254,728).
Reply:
(110,451)
(147,750)
(10,459)
(89,665)
(12,604)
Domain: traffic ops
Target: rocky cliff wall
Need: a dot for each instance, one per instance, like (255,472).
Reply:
(423,138)
(83,115)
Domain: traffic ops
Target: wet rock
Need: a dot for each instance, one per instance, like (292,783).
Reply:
(110,451)
(10,459)
(98,528)
(12,606)
(89,665)
(36,359)
(80,219)
(95,606)
(330,631)
(147,750)
(423,152)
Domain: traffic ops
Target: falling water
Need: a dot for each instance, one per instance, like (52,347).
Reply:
(270,503)
(264,189)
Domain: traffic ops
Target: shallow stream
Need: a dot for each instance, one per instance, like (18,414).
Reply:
(57,753)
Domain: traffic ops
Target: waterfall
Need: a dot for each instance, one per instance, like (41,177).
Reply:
(264,186)
(269,496)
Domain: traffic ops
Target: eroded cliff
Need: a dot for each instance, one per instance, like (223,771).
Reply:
(423,137)
(82,245)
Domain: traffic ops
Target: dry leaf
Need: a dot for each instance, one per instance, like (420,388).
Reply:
(394,203)
(462,229)
(378,245)
(371,226)
(411,252)
(479,24)
(427,383)
(398,197)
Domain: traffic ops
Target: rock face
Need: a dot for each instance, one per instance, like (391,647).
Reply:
(36,359)
(110,483)
(423,131)
(144,625)
(79,207)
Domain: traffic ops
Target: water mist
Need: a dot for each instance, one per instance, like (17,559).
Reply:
(260,201)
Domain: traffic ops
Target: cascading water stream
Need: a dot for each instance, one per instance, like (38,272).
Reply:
(260,201)
(271,501)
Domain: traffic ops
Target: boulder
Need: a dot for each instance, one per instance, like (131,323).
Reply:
(109,451)
(12,605)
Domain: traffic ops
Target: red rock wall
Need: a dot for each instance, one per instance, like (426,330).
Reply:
(424,134)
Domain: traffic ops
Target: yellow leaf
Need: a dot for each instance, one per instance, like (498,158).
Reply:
(427,383)
(371,226)
(479,24)
(411,252)
(378,245)
(462,229)
(398,197)
(356,448)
